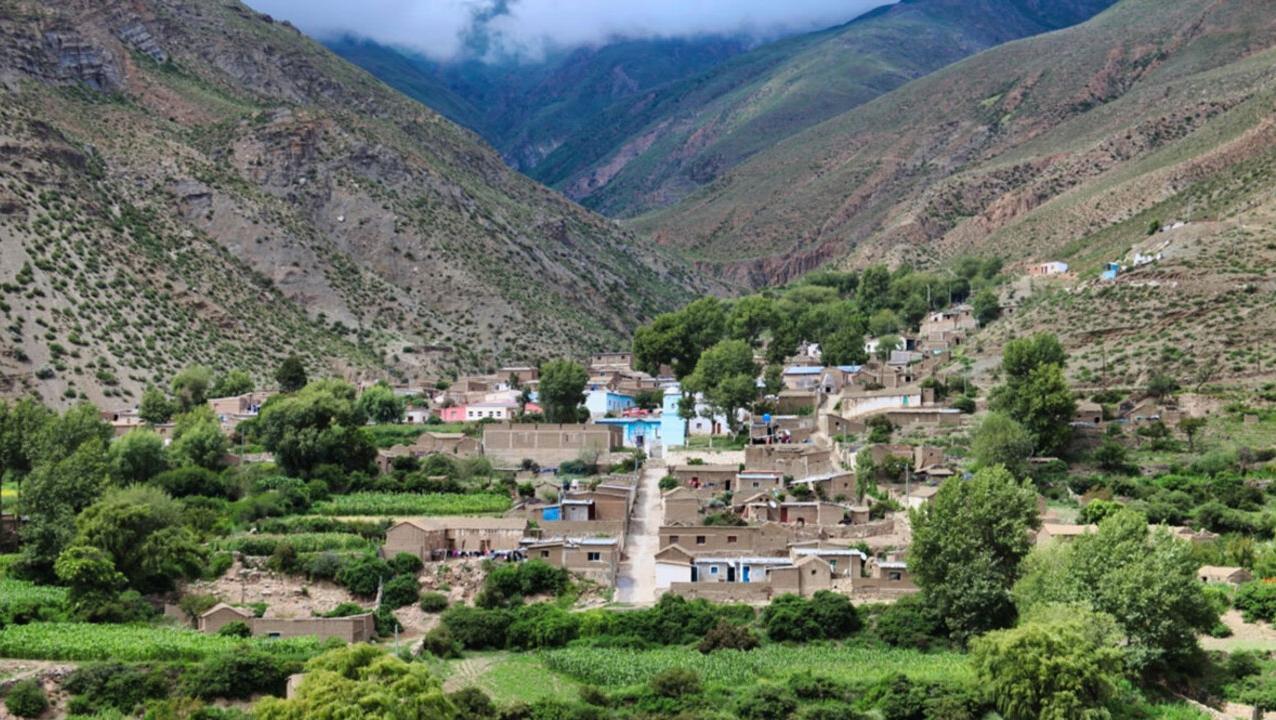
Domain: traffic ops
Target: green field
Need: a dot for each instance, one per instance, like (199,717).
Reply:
(131,643)
(387,504)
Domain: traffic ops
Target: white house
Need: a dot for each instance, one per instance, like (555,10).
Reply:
(490,411)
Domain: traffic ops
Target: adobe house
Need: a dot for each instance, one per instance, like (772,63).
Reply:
(805,577)
(843,562)
(1233,576)
(920,496)
(596,558)
(715,478)
(796,461)
(1062,532)
(751,481)
(230,411)
(438,537)
(831,486)
(522,374)
(682,507)
(802,378)
(797,401)
(612,361)
(351,629)
(886,577)
(1090,413)
(765,539)
(548,445)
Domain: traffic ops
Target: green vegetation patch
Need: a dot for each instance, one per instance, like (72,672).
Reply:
(133,643)
(412,504)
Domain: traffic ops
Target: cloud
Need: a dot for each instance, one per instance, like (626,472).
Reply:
(447,28)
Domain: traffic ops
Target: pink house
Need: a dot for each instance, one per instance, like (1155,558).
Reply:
(454,414)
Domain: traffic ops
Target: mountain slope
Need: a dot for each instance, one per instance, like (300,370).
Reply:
(655,148)
(193,182)
(977,155)
(524,107)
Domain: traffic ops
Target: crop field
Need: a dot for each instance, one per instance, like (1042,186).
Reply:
(265,544)
(21,592)
(132,643)
(616,667)
(389,504)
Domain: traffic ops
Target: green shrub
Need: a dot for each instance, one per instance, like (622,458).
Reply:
(99,687)
(910,622)
(478,628)
(668,482)
(26,699)
(827,615)
(434,602)
(766,702)
(237,628)
(508,584)
(400,591)
(473,704)
(440,643)
(1256,600)
(363,574)
(387,624)
(406,564)
(676,683)
(238,676)
(541,626)
(728,636)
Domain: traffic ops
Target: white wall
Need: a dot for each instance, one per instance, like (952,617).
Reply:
(668,573)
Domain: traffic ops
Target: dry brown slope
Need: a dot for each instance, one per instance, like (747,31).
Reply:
(274,199)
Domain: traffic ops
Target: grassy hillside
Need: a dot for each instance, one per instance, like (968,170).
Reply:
(1067,146)
(652,150)
(197,183)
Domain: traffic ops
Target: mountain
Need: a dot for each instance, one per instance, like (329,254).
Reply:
(194,182)
(527,107)
(638,124)
(655,149)
(1069,146)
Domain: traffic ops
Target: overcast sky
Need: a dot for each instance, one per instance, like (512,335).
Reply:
(442,28)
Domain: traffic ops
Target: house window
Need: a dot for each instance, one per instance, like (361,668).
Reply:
(594,557)
(755,483)
(713,569)
(673,539)
(833,564)
(895,576)
(731,539)
(544,553)
(700,539)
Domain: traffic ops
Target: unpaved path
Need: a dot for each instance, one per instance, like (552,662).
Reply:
(636,578)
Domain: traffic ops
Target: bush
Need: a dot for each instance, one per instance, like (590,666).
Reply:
(26,699)
(440,643)
(400,591)
(675,683)
(324,566)
(473,704)
(387,624)
(508,584)
(542,626)
(1256,600)
(191,480)
(433,602)
(766,702)
(668,482)
(478,628)
(827,615)
(910,622)
(101,687)
(728,636)
(239,675)
(238,628)
(406,564)
(363,574)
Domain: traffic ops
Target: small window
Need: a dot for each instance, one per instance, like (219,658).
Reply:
(594,557)
(755,483)
(273,635)
(673,539)
(895,575)
(731,539)
(700,539)
(713,569)
(544,553)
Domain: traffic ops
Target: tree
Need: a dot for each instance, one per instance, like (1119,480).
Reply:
(844,347)
(198,440)
(236,382)
(140,529)
(967,544)
(726,374)
(773,379)
(137,457)
(55,492)
(1191,427)
(1035,393)
(190,386)
(155,407)
(750,317)
(886,345)
(986,306)
(21,425)
(562,390)
(1145,579)
(92,581)
(380,404)
(999,440)
(291,374)
(361,681)
(318,425)
(1161,385)
(874,288)
(1062,665)
(26,699)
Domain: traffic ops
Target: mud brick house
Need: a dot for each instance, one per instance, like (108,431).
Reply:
(596,558)
(548,445)
(351,629)
(796,461)
(712,478)
(436,538)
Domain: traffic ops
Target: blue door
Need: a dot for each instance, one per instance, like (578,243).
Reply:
(744,574)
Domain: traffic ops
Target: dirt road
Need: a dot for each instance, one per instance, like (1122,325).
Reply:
(636,579)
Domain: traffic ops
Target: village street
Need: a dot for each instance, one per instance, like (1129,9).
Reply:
(636,579)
